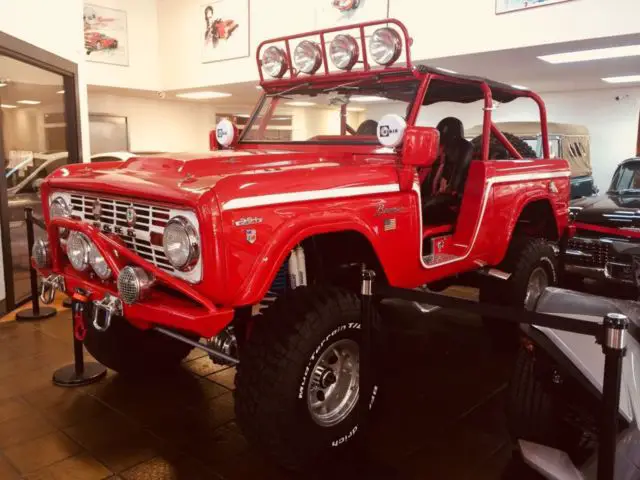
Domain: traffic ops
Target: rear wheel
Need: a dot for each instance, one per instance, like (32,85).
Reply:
(297,387)
(533,267)
(127,349)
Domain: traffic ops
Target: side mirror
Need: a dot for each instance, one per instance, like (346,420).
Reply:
(420,147)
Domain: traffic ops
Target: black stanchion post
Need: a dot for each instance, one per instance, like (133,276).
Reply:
(366,344)
(79,373)
(35,312)
(614,347)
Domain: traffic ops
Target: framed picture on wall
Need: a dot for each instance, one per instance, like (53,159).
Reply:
(330,13)
(105,35)
(506,6)
(224,32)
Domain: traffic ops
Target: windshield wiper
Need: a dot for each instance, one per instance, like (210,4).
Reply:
(289,90)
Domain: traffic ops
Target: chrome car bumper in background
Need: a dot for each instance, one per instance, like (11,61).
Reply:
(594,258)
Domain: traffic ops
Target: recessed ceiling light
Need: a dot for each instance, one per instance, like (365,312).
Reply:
(29,102)
(259,87)
(520,87)
(60,91)
(202,95)
(595,54)
(2,84)
(445,70)
(242,115)
(624,79)
(366,98)
(7,106)
(300,104)
(355,109)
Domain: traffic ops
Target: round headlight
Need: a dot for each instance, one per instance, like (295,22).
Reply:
(40,253)
(59,208)
(78,246)
(274,62)
(344,52)
(385,46)
(307,57)
(98,263)
(133,284)
(180,243)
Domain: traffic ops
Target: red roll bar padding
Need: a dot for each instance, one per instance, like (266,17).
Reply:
(107,245)
(321,33)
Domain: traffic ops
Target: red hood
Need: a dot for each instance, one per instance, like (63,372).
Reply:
(185,178)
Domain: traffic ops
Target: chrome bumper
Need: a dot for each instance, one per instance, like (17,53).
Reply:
(606,273)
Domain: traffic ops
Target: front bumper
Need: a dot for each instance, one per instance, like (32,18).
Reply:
(593,258)
(175,305)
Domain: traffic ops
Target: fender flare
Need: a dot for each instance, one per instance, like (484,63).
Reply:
(285,238)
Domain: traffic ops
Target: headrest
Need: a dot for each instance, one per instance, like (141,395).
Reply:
(450,129)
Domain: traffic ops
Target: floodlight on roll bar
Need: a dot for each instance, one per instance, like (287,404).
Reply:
(360,32)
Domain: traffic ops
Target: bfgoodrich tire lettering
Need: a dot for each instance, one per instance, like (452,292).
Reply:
(272,382)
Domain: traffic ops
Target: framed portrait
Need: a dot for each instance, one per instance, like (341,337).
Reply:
(506,6)
(330,13)
(224,31)
(105,35)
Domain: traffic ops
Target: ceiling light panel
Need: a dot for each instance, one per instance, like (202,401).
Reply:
(623,79)
(29,102)
(590,55)
(206,95)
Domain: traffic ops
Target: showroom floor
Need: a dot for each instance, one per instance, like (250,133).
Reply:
(441,416)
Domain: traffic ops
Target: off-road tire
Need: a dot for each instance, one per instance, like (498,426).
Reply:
(129,350)
(497,151)
(275,371)
(524,255)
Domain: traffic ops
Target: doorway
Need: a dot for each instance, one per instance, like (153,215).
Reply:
(38,133)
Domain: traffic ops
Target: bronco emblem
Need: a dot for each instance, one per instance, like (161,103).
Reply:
(251,235)
(131,216)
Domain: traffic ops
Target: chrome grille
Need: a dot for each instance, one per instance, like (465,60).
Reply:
(113,218)
(597,252)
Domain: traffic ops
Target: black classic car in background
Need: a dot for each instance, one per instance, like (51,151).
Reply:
(604,225)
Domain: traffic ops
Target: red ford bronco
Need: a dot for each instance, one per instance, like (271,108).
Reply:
(257,246)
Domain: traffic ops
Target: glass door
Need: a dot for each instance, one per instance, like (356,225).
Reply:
(34,140)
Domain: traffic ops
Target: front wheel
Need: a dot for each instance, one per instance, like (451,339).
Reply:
(297,387)
(533,267)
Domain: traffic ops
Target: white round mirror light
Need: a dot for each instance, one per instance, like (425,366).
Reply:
(391,130)
(225,132)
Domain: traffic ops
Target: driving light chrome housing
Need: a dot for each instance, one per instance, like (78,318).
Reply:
(98,263)
(134,284)
(59,208)
(344,51)
(385,46)
(274,62)
(307,57)
(181,244)
(78,246)
(40,253)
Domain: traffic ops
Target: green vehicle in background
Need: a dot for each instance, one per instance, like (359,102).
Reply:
(567,141)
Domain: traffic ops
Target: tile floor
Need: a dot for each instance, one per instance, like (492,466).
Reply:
(440,418)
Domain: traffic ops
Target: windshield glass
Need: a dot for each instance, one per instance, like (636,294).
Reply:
(626,178)
(554,147)
(314,115)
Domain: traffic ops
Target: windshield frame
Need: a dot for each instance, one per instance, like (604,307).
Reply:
(377,79)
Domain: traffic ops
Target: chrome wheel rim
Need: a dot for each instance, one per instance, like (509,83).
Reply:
(538,281)
(333,389)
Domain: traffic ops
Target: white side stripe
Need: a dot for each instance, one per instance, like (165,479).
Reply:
(291,197)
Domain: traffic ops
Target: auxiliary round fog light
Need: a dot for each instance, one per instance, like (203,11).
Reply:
(307,57)
(133,284)
(385,46)
(98,263)
(40,253)
(274,62)
(344,51)
(78,246)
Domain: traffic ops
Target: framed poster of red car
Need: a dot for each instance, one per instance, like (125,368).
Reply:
(105,35)
(225,30)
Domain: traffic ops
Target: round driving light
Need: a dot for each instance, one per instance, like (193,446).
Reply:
(385,46)
(59,208)
(78,251)
(180,243)
(307,57)
(274,62)
(344,52)
(40,253)
(98,263)
(133,284)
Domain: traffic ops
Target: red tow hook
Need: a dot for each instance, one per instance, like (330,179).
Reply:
(79,326)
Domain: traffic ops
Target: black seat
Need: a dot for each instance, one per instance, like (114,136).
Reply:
(441,208)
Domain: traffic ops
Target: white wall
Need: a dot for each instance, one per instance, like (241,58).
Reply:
(161,125)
